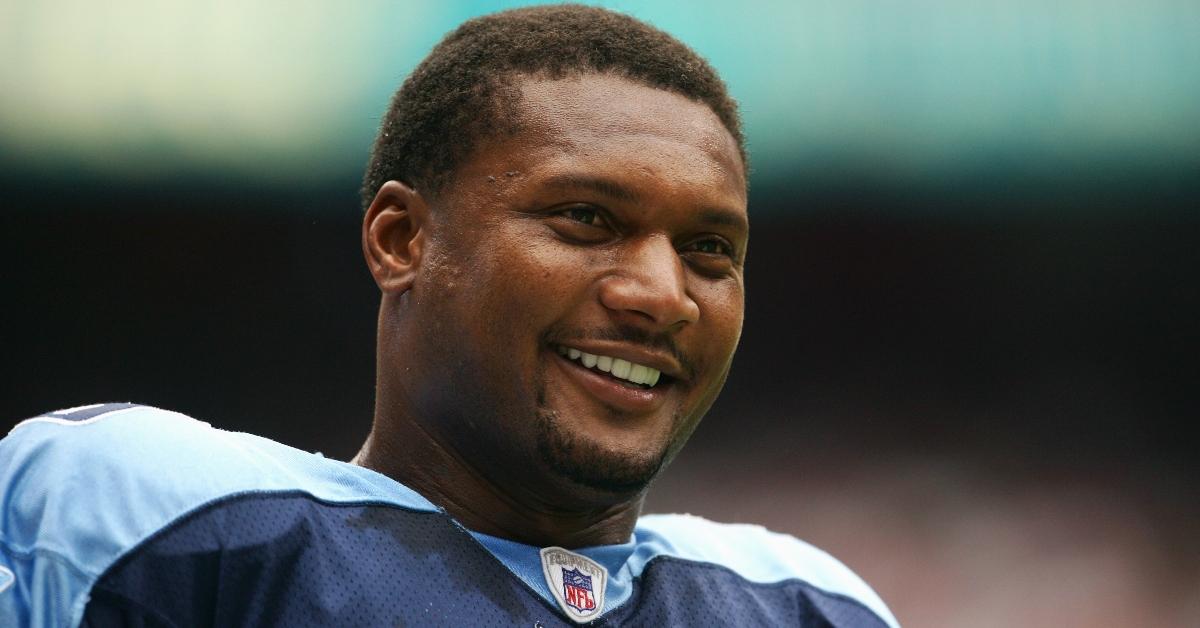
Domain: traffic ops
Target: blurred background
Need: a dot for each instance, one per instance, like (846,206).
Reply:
(970,357)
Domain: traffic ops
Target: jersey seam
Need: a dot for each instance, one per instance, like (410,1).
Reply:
(30,553)
(80,600)
(200,509)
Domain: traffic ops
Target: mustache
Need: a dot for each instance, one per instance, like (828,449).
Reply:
(657,341)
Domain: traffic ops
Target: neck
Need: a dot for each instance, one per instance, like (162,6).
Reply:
(535,513)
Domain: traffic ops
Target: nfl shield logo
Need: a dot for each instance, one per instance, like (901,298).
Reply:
(577,590)
(576,582)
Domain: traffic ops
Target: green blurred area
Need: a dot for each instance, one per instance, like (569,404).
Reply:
(915,95)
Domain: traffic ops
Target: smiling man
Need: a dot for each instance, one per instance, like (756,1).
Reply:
(556,219)
(573,296)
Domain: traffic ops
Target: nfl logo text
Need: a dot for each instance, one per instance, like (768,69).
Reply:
(577,590)
(576,581)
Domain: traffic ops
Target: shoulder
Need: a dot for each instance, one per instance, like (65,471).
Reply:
(129,450)
(755,554)
(126,453)
(122,464)
(82,487)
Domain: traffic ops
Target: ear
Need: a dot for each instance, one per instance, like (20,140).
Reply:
(394,236)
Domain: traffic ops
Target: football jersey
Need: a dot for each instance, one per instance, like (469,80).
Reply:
(122,514)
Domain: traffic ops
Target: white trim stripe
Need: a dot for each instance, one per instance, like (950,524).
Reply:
(49,418)
(76,409)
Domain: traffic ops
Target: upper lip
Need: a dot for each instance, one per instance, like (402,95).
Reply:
(637,354)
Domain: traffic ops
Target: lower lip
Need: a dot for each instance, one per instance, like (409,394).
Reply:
(611,392)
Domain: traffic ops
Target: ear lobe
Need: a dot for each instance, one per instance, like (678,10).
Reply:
(394,234)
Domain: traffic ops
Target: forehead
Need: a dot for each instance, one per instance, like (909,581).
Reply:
(604,104)
(602,115)
(610,129)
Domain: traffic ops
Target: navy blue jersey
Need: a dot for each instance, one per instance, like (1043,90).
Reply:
(126,515)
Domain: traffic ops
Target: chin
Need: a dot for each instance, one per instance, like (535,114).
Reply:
(590,464)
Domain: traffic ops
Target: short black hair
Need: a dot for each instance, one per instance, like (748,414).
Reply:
(463,91)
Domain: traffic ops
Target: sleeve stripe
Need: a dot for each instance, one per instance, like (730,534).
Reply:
(82,415)
(77,409)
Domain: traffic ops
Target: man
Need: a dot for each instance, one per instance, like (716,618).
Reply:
(556,219)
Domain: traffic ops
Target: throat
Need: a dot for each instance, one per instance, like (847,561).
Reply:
(501,504)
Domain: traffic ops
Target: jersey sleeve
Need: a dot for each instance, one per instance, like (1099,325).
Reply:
(84,487)
(47,545)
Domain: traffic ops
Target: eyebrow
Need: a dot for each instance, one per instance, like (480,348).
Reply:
(599,185)
(614,190)
(724,218)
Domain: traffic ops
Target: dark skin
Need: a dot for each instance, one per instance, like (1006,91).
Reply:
(613,223)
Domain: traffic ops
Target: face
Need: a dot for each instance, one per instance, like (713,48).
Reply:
(581,297)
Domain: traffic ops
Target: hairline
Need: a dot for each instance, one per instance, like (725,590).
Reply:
(507,99)
(478,105)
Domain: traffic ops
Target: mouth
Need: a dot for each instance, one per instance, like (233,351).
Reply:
(619,384)
(622,371)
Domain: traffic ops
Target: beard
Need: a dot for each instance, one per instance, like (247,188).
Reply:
(588,464)
(574,456)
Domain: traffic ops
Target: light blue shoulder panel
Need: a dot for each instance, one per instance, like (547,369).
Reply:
(751,551)
(77,494)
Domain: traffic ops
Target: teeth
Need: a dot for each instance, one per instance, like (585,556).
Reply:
(638,374)
(623,369)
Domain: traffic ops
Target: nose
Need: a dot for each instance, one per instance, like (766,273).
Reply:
(650,284)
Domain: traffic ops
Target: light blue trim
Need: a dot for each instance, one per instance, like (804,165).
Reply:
(752,552)
(78,495)
(525,562)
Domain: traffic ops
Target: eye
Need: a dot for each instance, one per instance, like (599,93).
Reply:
(710,246)
(710,256)
(582,224)
(713,246)
(582,213)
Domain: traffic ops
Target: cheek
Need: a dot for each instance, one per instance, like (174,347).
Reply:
(722,304)
(541,272)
